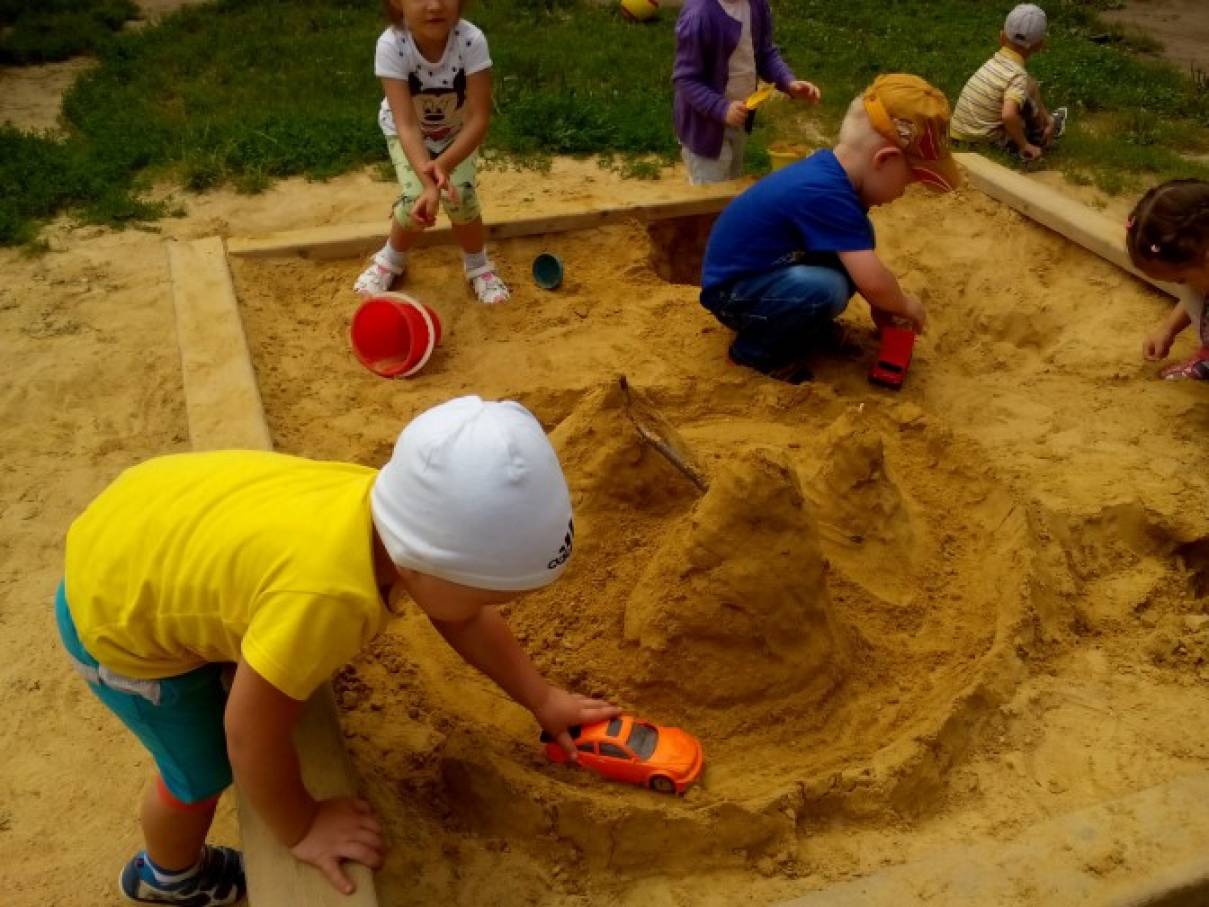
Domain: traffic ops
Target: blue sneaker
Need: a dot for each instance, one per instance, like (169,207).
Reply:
(218,881)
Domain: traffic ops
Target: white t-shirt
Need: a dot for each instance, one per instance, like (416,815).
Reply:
(741,71)
(438,90)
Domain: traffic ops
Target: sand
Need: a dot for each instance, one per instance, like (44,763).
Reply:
(1181,26)
(897,621)
(894,620)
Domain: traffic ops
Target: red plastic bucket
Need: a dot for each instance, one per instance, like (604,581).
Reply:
(393,335)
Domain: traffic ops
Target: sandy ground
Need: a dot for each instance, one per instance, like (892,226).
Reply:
(31,96)
(960,609)
(1181,25)
(1009,625)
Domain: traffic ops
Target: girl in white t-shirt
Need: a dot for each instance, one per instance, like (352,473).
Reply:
(436,73)
(1168,238)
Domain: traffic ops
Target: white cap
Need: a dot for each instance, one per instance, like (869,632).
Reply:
(473,493)
(1025,25)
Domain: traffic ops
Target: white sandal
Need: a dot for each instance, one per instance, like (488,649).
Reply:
(377,278)
(488,286)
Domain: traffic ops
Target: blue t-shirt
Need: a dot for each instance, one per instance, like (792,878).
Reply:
(808,211)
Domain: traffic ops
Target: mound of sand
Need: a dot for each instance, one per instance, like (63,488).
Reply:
(862,511)
(739,582)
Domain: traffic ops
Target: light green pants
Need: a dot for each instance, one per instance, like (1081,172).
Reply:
(463,179)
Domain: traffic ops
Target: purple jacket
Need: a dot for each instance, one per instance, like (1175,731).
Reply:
(705,38)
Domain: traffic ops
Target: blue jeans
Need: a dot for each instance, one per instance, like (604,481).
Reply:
(778,314)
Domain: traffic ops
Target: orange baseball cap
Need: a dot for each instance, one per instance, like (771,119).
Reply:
(914,116)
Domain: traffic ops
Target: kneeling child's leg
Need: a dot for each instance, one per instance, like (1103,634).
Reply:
(787,310)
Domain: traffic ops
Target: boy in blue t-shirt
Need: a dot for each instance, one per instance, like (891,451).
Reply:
(785,257)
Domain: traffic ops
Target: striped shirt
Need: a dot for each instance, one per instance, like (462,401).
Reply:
(978,116)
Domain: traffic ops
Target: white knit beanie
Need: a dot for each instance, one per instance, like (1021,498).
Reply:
(473,493)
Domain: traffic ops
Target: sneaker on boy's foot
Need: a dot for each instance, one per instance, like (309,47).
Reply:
(794,372)
(489,288)
(218,881)
(1060,116)
(377,278)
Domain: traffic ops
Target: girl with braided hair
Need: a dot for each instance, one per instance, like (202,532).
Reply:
(1168,239)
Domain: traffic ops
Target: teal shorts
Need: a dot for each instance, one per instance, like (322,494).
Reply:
(178,719)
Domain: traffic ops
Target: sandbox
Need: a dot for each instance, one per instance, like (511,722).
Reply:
(870,584)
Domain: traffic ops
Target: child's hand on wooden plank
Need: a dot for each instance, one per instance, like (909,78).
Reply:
(343,829)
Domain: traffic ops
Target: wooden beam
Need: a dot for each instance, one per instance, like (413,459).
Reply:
(275,878)
(224,411)
(354,240)
(222,401)
(1066,216)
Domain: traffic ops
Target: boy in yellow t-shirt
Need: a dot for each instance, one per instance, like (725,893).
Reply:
(1001,103)
(284,567)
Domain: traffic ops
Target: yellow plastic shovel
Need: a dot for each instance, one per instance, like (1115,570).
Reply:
(759,96)
(755,99)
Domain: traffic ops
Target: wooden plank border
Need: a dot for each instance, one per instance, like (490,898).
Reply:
(222,401)
(224,410)
(1048,207)
(351,241)
(1065,216)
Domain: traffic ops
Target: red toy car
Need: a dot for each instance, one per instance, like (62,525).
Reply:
(893,357)
(665,759)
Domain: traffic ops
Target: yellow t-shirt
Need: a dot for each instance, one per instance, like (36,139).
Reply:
(978,115)
(204,557)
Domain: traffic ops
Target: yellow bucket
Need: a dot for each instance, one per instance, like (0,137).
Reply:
(784,155)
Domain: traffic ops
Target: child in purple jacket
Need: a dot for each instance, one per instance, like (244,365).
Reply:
(723,47)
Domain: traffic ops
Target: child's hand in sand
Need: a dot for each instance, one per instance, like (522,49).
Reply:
(560,710)
(736,114)
(914,310)
(1158,344)
(801,90)
(343,829)
(1030,152)
(424,211)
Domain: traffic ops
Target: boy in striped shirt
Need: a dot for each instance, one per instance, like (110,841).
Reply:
(1001,103)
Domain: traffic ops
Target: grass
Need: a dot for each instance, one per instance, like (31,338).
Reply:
(243,92)
(42,31)
(1120,100)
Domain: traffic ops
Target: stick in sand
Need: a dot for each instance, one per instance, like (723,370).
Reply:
(660,443)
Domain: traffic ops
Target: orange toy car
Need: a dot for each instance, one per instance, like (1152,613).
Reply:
(665,759)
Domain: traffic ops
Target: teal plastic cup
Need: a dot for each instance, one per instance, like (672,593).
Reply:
(547,271)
